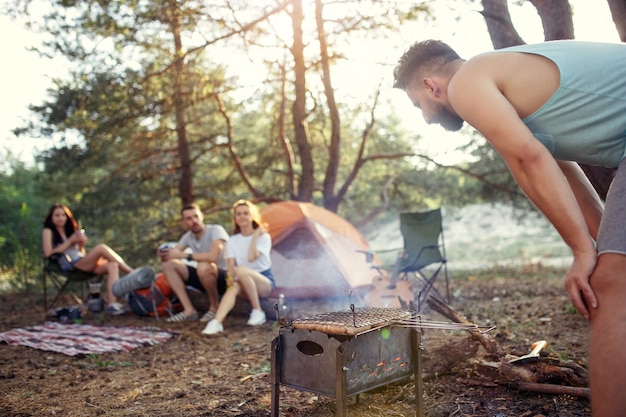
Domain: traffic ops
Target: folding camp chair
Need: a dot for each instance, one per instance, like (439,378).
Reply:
(66,285)
(423,256)
(424,249)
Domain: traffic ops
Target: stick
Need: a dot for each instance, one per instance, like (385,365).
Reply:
(489,343)
(553,389)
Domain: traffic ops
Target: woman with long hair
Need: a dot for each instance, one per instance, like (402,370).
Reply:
(249,276)
(61,235)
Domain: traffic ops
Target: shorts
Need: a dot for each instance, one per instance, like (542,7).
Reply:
(194,281)
(268,274)
(612,233)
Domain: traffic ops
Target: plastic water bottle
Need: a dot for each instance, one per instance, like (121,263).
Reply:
(283,310)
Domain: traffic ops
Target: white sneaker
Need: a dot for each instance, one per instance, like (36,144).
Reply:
(115,309)
(257,317)
(213,327)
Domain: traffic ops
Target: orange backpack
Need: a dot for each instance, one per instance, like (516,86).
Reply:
(157,300)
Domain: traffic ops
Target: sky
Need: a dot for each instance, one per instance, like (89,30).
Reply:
(26,80)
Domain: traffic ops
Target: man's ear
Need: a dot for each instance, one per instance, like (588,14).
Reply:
(432,87)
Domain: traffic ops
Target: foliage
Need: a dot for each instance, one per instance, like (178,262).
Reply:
(150,117)
(21,208)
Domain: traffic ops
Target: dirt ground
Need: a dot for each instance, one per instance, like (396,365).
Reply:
(229,374)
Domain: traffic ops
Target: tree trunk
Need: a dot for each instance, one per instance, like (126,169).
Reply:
(334,150)
(618,12)
(556,18)
(307,178)
(185,185)
(499,24)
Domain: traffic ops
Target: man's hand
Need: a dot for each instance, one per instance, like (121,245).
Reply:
(577,283)
(177,254)
(167,254)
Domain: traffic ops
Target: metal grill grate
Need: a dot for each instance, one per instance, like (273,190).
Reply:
(350,322)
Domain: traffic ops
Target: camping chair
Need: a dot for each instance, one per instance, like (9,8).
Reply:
(64,283)
(424,246)
(423,256)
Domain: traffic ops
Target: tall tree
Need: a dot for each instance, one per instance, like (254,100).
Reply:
(331,200)
(318,128)
(618,11)
(172,14)
(298,112)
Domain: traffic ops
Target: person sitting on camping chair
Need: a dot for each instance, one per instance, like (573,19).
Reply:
(61,235)
(249,275)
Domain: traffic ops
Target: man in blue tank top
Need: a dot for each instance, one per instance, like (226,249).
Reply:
(545,108)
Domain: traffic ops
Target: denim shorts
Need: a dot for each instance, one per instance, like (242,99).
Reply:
(268,274)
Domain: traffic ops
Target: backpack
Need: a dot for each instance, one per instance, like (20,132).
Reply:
(157,300)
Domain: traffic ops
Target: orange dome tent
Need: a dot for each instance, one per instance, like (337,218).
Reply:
(315,252)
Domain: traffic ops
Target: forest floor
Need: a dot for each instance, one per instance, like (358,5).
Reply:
(229,374)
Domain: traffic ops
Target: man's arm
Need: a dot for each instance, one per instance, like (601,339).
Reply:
(588,199)
(212,256)
(478,100)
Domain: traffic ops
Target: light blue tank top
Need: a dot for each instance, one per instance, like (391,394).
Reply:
(585,119)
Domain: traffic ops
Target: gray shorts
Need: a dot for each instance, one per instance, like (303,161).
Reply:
(612,233)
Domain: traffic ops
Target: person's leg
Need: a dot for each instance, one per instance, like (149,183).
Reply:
(207,274)
(607,355)
(89,262)
(227,303)
(177,274)
(253,285)
(111,270)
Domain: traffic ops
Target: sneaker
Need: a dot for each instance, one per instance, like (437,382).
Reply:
(257,317)
(208,316)
(213,327)
(115,309)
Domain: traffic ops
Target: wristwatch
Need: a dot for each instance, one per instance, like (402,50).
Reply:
(190,257)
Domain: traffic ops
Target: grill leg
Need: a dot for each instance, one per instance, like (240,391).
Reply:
(416,352)
(342,387)
(275,376)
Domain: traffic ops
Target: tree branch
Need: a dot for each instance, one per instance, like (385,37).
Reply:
(233,151)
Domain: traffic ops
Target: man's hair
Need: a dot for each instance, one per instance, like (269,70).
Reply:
(423,56)
(193,206)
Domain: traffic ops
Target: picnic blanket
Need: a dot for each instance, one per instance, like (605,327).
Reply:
(85,339)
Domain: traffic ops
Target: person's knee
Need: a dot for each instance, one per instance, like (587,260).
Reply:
(207,271)
(168,266)
(102,248)
(112,267)
(609,276)
(241,272)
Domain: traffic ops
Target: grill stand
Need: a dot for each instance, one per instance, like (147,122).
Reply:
(341,389)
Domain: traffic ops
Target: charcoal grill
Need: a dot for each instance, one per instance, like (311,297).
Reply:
(343,354)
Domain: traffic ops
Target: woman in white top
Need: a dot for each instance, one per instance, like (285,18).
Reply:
(247,253)
(61,236)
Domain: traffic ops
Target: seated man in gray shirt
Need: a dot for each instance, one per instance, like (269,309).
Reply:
(209,275)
